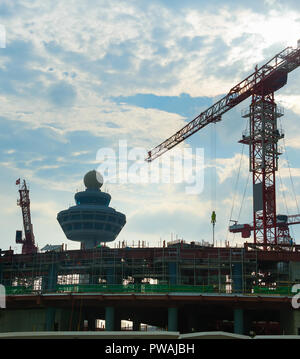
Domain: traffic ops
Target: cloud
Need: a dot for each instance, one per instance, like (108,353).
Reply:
(184,104)
(229,167)
(10,152)
(62,94)
(79,153)
(143,126)
(165,51)
(290,102)
(21,76)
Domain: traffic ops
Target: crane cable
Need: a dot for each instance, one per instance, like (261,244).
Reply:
(236,186)
(289,167)
(282,193)
(242,202)
(213,180)
(244,195)
(284,199)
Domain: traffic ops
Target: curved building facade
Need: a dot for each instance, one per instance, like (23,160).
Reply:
(91,221)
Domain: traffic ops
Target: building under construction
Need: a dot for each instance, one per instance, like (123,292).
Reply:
(179,286)
(184,287)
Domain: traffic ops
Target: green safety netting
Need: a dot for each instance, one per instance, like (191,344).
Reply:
(10,290)
(143,288)
(266,290)
(133,288)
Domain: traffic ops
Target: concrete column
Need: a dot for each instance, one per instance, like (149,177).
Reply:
(172,319)
(109,318)
(50,318)
(238,317)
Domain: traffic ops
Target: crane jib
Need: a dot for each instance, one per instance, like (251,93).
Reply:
(267,79)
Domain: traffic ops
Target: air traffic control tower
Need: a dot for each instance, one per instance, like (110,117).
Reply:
(91,221)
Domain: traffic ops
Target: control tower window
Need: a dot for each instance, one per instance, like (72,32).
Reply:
(77,225)
(75,216)
(100,217)
(87,216)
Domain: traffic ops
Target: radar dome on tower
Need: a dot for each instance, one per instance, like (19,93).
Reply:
(93,180)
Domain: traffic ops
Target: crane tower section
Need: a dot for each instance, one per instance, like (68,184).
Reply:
(263,140)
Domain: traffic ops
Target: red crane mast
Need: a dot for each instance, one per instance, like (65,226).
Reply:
(24,202)
(262,138)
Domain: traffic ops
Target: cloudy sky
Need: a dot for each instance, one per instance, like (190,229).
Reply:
(79,76)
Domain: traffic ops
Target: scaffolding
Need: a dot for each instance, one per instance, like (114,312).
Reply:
(175,268)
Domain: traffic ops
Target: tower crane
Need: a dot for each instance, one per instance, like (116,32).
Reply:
(262,137)
(24,202)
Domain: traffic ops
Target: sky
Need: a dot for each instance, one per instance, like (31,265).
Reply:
(80,76)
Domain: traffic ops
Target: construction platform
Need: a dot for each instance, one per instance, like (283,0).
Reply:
(181,287)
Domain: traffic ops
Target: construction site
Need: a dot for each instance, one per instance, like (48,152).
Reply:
(179,286)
